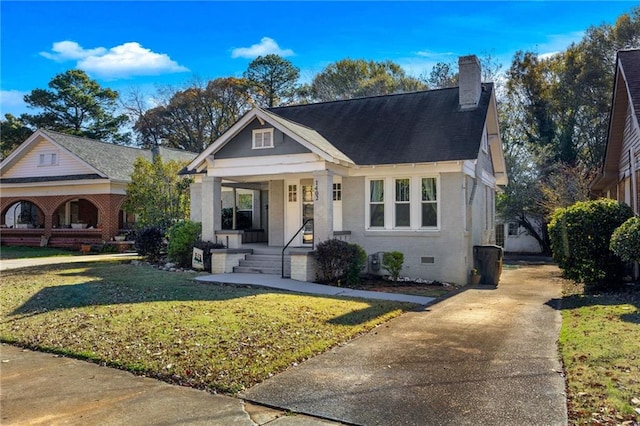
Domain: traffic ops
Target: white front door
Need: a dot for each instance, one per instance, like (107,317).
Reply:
(299,208)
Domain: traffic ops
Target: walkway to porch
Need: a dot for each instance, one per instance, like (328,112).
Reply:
(275,281)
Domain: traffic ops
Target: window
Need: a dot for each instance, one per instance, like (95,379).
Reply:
(337,192)
(403,203)
(429,203)
(48,159)
(513,229)
(413,204)
(376,203)
(293,193)
(262,138)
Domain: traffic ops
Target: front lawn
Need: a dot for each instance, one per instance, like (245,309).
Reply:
(166,325)
(600,348)
(22,252)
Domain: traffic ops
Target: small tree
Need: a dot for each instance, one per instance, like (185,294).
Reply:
(580,237)
(157,194)
(392,261)
(625,241)
(182,238)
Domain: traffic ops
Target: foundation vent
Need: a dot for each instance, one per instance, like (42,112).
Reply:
(428,259)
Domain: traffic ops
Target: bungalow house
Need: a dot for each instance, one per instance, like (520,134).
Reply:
(619,177)
(413,172)
(64,190)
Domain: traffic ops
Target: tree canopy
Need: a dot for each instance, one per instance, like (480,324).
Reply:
(554,119)
(77,105)
(12,133)
(351,78)
(272,80)
(192,118)
(157,195)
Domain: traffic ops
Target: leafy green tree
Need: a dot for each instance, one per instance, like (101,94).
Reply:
(12,133)
(272,79)
(77,105)
(351,78)
(157,194)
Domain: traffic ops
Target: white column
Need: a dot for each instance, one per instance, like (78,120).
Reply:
(322,206)
(211,207)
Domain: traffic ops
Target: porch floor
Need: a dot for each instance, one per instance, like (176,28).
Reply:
(263,248)
(275,281)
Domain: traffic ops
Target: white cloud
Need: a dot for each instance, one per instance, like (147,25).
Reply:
(558,43)
(70,50)
(123,61)
(12,102)
(266,46)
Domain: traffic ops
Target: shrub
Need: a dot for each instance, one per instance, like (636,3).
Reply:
(182,237)
(206,247)
(358,262)
(392,261)
(150,243)
(580,237)
(339,260)
(625,241)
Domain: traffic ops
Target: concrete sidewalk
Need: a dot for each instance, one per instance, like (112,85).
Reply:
(275,281)
(7,264)
(41,388)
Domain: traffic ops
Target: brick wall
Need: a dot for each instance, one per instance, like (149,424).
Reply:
(107,204)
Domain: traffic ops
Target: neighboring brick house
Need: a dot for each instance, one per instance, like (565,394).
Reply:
(619,177)
(65,190)
(413,172)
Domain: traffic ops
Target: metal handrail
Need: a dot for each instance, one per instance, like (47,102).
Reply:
(290,241)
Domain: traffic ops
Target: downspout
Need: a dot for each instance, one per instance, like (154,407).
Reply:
(475,185)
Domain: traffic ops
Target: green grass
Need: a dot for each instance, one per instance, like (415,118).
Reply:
(166,325)
(20,252)
(600,348)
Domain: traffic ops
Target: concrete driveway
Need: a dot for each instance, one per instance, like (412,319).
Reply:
(486,356)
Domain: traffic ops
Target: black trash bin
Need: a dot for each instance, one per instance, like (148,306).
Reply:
(488,260)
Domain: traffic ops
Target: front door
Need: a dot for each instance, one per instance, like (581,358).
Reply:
(299,207)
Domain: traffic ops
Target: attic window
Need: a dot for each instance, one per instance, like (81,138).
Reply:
(262,138)
(48,159)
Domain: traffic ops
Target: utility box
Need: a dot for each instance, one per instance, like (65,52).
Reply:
(488,260)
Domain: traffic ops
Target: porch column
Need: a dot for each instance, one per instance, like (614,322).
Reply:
(322,206)
(211,207)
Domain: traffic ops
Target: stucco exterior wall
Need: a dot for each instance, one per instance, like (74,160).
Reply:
(276,213)
(442,255)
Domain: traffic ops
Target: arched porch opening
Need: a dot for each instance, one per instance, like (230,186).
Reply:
(77,213)
(23,214)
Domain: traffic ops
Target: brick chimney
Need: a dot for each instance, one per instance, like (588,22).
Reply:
(469,81)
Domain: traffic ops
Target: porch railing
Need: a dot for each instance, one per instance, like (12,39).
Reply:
(289,243)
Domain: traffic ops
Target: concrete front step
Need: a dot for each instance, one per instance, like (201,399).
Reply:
(263,264)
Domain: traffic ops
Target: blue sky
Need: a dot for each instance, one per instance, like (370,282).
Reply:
(127,44)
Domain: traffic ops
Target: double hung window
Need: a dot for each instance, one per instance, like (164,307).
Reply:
(262,138)
(429,203)
(403,203)
(413,204)
(376,203)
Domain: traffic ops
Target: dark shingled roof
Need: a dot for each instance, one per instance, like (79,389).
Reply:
(115,161)
(630,60)
(416,127)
